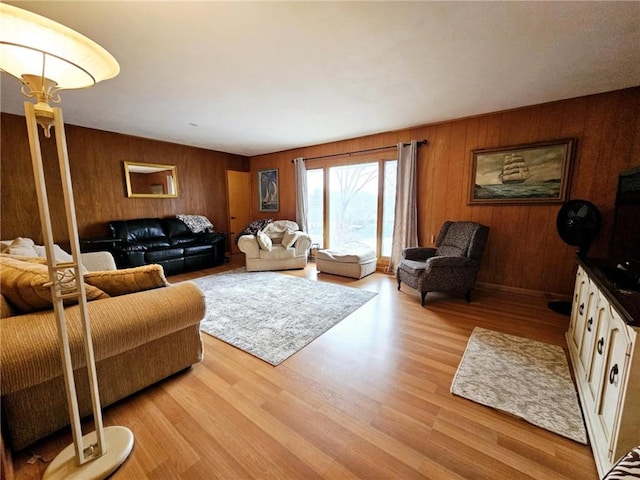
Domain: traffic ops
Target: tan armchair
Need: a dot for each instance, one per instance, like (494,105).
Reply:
(453,265)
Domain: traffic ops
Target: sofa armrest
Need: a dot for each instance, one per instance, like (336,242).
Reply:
(418,253)
(97,261)
(249,246)
(210,238)
(303,244)
(451,262)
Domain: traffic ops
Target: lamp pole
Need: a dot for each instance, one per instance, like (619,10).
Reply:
(31,47)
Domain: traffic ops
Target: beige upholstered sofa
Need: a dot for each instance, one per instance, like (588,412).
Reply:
(280,246)
(139,338)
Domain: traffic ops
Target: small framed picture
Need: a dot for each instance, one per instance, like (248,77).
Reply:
(268,193)
(531,173)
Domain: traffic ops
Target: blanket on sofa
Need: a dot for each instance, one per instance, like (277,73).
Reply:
(254,227)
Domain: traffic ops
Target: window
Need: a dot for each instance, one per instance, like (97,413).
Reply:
(315,201)
(388,206)
(352,205)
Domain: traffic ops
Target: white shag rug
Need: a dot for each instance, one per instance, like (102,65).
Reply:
(523,377)
(272,315)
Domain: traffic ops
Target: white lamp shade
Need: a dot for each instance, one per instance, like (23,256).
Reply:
(30,43)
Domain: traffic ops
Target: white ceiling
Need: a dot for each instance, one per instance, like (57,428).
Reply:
(260,77)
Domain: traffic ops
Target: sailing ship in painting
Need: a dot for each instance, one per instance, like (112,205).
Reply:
(514,179)
(529,173)
(514,169)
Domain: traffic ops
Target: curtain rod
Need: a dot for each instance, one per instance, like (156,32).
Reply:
(421,142)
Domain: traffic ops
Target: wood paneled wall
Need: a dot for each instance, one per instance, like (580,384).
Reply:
(524,252)
(97,172)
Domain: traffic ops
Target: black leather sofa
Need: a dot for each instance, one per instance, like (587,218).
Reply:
(167,242)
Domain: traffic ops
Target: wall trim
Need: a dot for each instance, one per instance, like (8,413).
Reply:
(523,291)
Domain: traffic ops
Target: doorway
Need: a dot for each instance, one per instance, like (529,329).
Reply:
(239,200)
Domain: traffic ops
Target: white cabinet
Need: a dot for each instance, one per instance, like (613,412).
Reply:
(578,312)
(605,356)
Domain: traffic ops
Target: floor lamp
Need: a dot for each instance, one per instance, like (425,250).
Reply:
(47,57)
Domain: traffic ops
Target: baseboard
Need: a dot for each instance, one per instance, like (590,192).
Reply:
(550,296)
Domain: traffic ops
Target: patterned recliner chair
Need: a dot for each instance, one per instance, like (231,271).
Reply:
(453,265)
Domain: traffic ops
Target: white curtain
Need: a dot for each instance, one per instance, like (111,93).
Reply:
(302,207)
(405,225)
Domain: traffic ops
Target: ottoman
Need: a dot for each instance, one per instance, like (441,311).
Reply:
(354,263)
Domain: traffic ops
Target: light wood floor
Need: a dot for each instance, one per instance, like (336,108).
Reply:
(368,399)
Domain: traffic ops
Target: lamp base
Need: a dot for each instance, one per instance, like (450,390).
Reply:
(119,443)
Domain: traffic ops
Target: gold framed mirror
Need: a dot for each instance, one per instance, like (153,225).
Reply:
(151,180)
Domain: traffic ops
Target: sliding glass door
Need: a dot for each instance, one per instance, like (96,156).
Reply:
(352,205)
(315,201)
(388,206)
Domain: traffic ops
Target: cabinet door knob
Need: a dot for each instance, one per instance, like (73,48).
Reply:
(613,374)
(600,345)
(589,323)
(581,310)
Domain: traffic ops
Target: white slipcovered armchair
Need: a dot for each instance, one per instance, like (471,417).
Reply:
(281,245)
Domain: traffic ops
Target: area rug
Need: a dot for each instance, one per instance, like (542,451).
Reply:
(523,377)
(272,315)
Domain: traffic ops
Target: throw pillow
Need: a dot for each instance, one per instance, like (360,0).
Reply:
(254,227)
(277,228)
(22,247)
(627,467)
(264,241)
(40,260)
(59,254)
(289,238)
(25,285)
(128,280)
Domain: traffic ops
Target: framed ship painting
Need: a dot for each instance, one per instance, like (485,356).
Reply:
(531,173)
(268,200)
